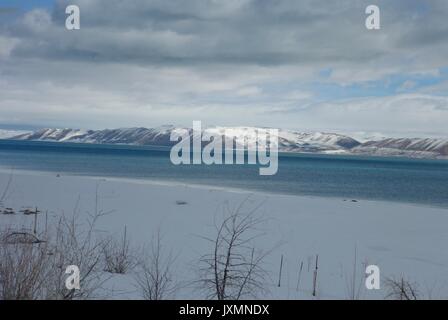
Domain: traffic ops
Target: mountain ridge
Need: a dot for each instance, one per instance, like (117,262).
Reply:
(288,140)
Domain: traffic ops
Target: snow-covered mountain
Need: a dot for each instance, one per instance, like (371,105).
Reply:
(288,140)
(411,147)
(5,134)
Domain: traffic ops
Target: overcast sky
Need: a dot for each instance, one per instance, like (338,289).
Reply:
(304,64)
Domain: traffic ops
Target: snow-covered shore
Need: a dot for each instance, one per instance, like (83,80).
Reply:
(402,239)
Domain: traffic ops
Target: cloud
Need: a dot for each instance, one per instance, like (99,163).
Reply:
(229,62)
(6,46)
(259,32)
(407,85)
(249,91)
(408,113)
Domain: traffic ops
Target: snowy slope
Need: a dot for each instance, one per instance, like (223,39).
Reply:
(415,147)
(6,134)
(288,140)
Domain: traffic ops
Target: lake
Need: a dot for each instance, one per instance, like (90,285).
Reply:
(347,177)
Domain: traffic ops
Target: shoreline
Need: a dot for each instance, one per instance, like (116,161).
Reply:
(167,183)
(329,153)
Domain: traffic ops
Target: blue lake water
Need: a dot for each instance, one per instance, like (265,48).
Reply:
(348,177)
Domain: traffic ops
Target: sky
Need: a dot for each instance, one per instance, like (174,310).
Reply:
(309,65)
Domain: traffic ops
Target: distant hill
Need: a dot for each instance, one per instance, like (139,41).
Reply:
(289,140)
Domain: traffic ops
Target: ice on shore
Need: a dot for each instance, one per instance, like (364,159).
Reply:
(402,239)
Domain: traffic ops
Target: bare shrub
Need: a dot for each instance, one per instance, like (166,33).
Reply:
(37,270)
(117,255)
(15,237)
(401,289)
(23,271)
(233,269)
(154,277)
(354,281)
(75,243)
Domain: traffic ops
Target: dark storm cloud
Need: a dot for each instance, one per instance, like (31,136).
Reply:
(262,32)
